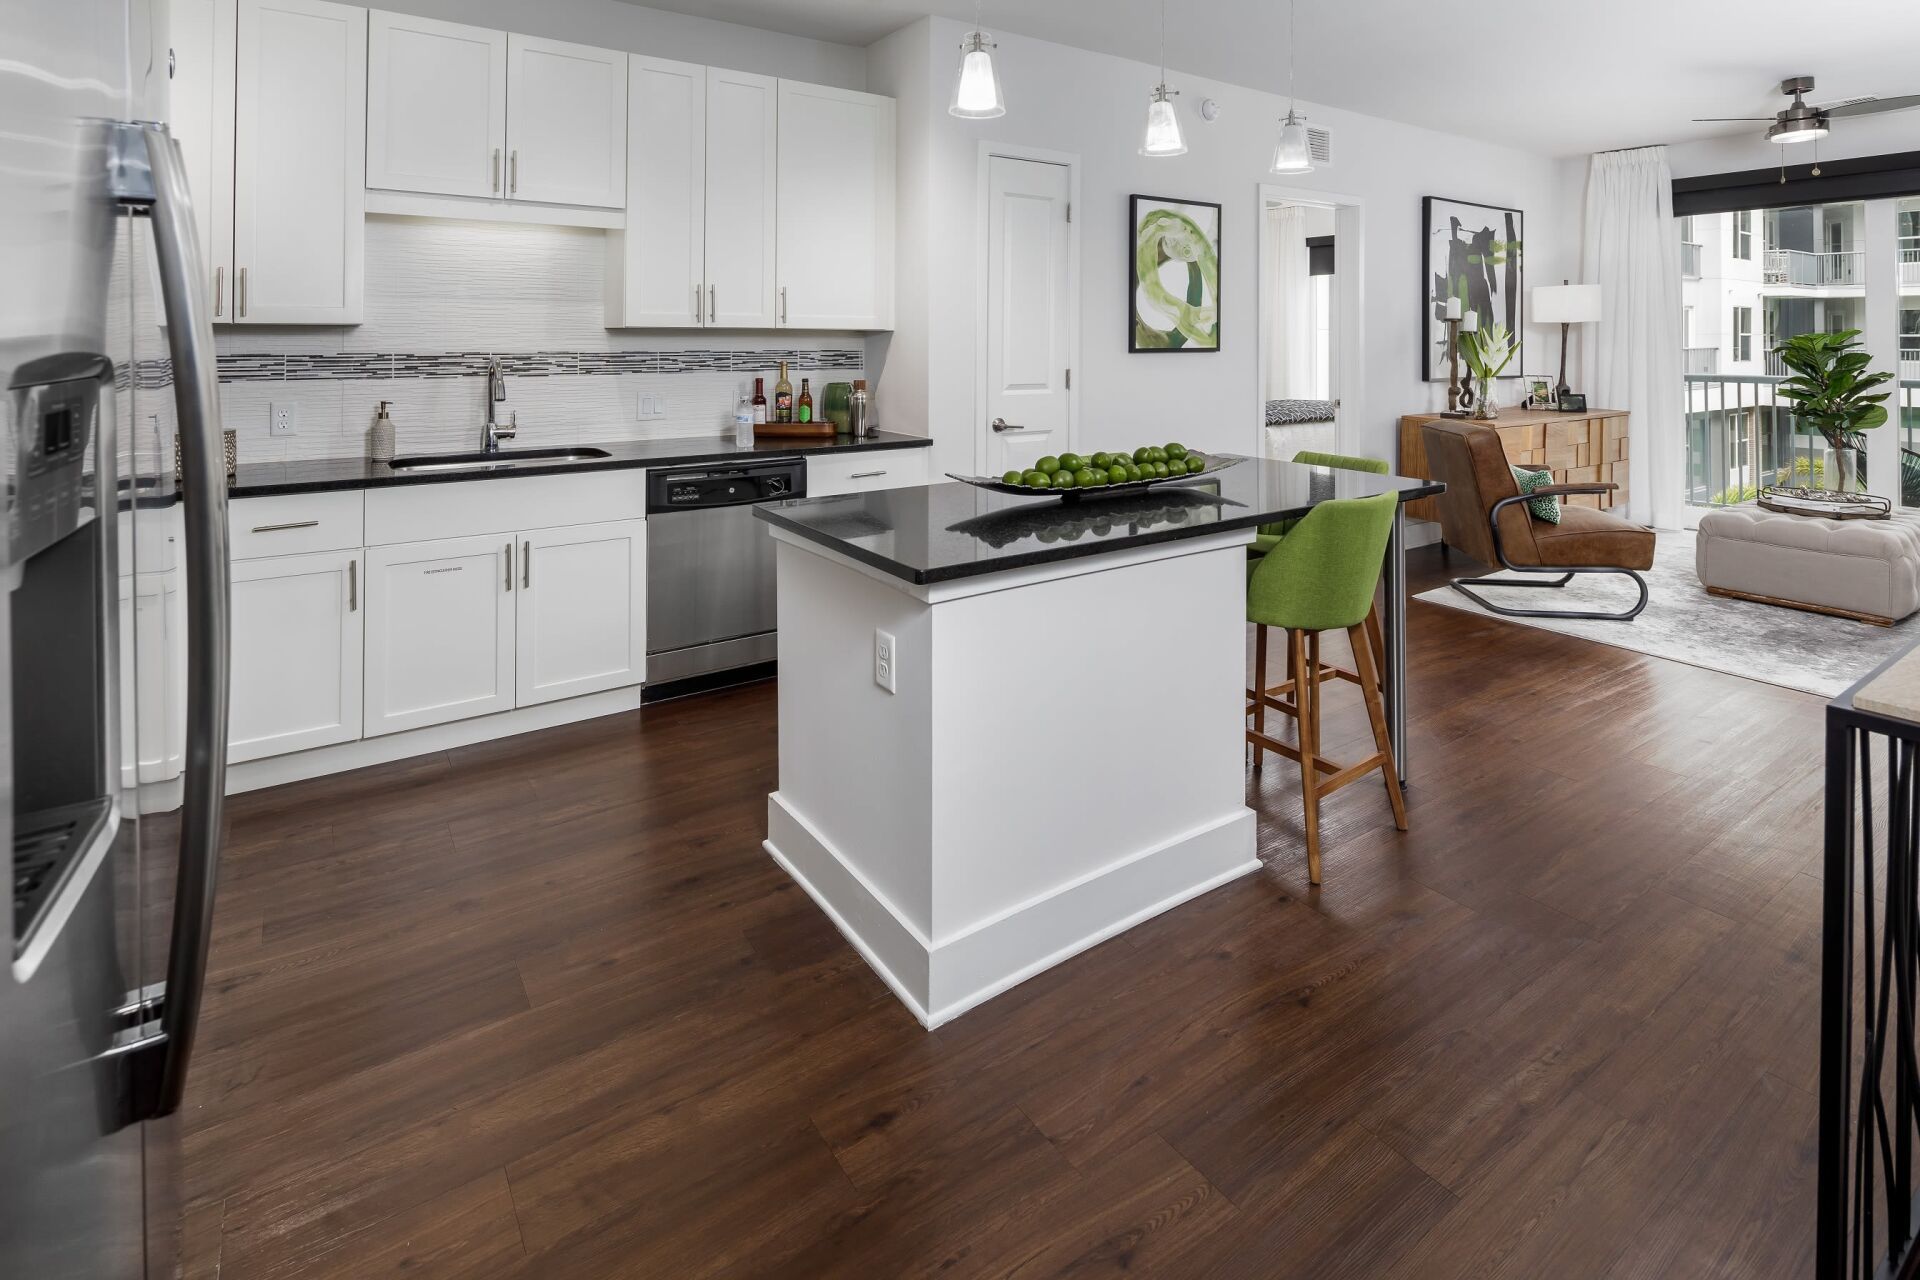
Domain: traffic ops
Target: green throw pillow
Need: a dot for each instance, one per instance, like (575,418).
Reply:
(1547,508)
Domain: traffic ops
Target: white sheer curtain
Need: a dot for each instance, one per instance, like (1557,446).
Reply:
(1631,355)
(1287,301)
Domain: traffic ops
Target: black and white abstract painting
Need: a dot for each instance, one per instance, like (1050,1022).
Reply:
(1474,252)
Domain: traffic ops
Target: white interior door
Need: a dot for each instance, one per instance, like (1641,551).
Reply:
(439,631)
(662,249)
(296,654)
(581,610)
(566,123)
(1029,314)
(436,106)
(742,146)
(300,180)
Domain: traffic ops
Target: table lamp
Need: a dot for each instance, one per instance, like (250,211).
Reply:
(1566,305)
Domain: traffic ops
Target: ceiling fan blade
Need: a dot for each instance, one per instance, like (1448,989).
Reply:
(1731,119)
(1875,105)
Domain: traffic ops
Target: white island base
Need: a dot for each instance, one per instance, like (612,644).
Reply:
(1060,759)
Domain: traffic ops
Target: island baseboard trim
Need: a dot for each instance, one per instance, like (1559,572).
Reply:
(938,983)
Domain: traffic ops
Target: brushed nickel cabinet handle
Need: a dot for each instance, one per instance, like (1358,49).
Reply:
(783,304)
(509,564)
(291,524)
(242,291)
(513,172)
(526,564)
(496,168)
(865,475)
(219,288)
(713,304)
(353,586)
(696,304)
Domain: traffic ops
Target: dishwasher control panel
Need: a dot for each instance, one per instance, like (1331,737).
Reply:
(725,484)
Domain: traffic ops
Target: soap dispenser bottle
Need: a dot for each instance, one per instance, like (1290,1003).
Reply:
(380,440)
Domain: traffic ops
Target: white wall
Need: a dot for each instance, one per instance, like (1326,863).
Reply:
(612,24)
(1094,105)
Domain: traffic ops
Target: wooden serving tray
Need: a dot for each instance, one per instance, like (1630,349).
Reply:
(788,429)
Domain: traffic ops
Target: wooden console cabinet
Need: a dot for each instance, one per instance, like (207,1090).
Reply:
(1579,448)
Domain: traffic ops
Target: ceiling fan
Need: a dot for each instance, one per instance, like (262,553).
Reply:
(1803,123)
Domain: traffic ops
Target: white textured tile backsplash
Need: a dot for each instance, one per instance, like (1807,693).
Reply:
(529,294)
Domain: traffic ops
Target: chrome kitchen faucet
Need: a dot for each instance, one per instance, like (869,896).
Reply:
(494,433)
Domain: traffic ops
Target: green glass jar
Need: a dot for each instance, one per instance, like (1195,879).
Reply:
(834,399)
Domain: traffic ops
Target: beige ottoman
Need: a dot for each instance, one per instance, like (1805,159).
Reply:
(1863,569)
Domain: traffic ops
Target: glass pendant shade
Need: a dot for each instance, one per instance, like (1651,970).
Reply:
(976,93)
(1163,126)
(1293,155)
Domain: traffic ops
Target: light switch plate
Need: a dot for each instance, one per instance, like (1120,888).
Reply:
(884,660)
(283,419)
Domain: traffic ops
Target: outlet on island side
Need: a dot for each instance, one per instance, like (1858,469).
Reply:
(883,659)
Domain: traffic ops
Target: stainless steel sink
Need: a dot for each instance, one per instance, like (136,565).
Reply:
(504,459)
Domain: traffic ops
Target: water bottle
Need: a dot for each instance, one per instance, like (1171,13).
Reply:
(743,424)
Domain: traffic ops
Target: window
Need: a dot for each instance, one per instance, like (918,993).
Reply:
(1743,333)
(1743,235)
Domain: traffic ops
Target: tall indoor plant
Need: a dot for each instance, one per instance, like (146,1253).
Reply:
(1830,389)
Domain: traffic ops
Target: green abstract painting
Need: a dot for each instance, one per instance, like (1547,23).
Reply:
(1175,274)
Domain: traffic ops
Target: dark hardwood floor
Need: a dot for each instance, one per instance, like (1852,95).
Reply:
(544,1008)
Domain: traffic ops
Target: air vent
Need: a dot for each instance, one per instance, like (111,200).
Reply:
(1320,144)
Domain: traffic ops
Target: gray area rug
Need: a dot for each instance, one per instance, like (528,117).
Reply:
(1787,647)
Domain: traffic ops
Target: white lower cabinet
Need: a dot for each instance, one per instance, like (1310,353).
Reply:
(296,653)
(580,617)
(153,677)
(439,632)
(832,474)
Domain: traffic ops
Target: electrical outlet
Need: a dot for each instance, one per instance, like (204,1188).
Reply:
(283,419)
(883,660)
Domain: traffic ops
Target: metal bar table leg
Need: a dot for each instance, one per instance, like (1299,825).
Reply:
(1395,625)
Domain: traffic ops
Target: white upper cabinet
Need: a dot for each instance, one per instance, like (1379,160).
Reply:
(436,106)
(743,137)
(566,123)
(657,270)
(299,190)
(835,243)
(200,113)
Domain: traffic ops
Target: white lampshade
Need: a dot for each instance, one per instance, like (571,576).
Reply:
(1163,126)
(976,93)
(1293,154)
(1564,303)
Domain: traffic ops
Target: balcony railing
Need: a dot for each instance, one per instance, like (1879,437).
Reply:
(1701,359)
(1689,260)
(1799,269)
(1741,436)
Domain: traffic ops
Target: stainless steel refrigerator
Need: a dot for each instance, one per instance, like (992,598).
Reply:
(111,767)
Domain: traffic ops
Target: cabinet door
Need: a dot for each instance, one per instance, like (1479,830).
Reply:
(300,133)
(658,259)
(296,654)
(835,208)
(200,114)
(436,106)
(567,125)
(742,146)
(152,678)
(439,632)
(582,610)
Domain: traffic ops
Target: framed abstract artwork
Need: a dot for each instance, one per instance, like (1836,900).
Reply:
(1174,272)
(1475,253)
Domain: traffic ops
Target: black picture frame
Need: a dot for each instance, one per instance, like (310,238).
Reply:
(1504,292)
(1139,330)
(1571,402)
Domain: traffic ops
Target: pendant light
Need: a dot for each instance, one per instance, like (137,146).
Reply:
(976,91)
(1293,154)
(1163,126)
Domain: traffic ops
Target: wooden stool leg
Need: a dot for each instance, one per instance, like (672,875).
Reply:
(1306,678)
(1377,716)
(1259,692)
(1377,639)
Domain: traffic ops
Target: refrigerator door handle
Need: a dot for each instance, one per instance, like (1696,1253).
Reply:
(161,1075)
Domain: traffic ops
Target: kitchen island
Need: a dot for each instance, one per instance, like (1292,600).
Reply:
(1012,727)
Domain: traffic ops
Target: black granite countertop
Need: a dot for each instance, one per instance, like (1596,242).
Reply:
(936,533)
(319,475)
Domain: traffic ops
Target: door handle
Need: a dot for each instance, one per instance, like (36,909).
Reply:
(713,304)
(513,172)
(509,564)
(526,564)
(353,585)
(219,287)
(783,304)
(1001,424)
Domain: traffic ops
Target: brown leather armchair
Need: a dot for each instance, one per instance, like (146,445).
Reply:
(1484,514)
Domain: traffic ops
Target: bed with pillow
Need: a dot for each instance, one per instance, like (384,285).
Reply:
(1290,413)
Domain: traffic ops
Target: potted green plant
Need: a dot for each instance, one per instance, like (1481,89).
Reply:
(1487,352)
(1830,389)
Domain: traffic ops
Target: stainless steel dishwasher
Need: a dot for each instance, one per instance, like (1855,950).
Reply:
(710,573)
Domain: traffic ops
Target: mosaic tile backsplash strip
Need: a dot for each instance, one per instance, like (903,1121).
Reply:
(445,297)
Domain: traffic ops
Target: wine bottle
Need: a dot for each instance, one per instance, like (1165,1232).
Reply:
(783,397)
(806,400)
(759,402)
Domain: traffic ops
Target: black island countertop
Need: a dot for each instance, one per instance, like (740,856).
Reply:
(940,532)
(321,475)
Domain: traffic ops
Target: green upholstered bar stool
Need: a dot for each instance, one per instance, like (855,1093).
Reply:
(1321,577)
(1270,534)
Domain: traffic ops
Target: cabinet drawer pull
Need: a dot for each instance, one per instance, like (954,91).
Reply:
(513,172)
(241,290)
(496,168)
(353,585)
(509,564)
(219,289)
(783,304)
(526,564)
(291,524)
(865,475)
(696,304)
(713,304)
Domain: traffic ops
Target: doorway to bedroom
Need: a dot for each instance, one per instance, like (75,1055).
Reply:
(1307,319)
